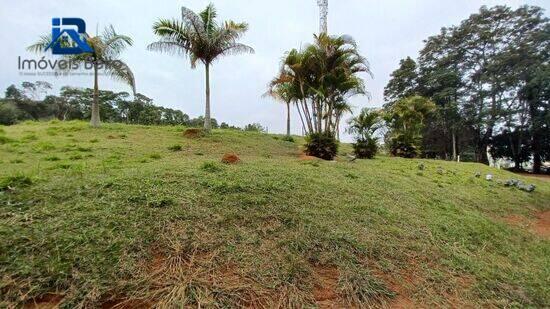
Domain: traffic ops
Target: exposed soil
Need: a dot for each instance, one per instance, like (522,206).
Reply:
(517,220)
(304,157)
(46,301)
(193,133)
(230,158)
(540,225)
(325,289)
(399,287)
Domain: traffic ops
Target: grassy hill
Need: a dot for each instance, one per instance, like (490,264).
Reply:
(120,216)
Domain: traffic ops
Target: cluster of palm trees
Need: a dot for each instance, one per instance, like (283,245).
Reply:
(196,36)
(319,80)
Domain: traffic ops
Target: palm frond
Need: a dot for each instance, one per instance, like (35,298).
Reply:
(236,49)
(121,71)
(40,45)
(115,43)
(191,18)
(168,46)
(208,17)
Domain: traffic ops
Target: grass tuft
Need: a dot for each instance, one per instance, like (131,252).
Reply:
(211,167)
(175,148)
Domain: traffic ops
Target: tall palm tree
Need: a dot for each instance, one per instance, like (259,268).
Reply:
(201,38)
(283,90)
(105,57)
(324,75)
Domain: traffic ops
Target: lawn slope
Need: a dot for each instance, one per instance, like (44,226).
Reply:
(133,216)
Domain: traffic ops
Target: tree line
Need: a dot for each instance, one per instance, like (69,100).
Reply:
(481,87)
(32,101)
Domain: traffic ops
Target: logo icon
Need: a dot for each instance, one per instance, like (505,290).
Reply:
(61,45)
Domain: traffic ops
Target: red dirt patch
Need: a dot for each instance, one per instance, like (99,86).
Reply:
(304,157)
(539,226)
(325,289)
(542,224)
(230,158)
(401,299)
(193,133)
(46,301)
(517,220)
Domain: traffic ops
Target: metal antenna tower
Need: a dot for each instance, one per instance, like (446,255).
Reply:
(323,21)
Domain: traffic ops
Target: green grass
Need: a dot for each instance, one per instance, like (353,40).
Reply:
(118,213)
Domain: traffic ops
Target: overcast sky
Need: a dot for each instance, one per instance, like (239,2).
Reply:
(386,32)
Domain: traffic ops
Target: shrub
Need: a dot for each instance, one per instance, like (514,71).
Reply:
(288,139)
(365,148)
(255,127)
(8,114)
(321,145)
(400,146)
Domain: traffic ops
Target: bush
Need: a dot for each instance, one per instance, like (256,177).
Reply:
(8,114)
(255,127)
(321,145)
(365,148)
(288,139)
(401,147)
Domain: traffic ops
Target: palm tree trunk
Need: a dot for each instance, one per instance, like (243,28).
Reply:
(95,104)
(301,118)
(287,118)
(454,146)
(207,122)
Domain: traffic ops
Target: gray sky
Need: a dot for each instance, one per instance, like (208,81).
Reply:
(386,32)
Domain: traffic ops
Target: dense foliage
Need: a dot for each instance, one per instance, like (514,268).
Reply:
(406,120)
(319,80)
(321,145)
(364,127)
(25,103)
(490,80)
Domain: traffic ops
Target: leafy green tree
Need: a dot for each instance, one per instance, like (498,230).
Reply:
(9,114)
(406,121)
(487,79)
(283,90)
(105,57)
(255,127)
(403,82)
(203,39)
